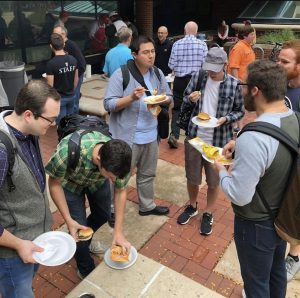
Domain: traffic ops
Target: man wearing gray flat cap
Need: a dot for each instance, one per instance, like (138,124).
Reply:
(219,95)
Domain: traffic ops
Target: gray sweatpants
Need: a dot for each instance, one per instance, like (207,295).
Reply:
(144,158)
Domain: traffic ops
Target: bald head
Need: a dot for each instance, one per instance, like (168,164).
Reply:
(190,28)
(162,33)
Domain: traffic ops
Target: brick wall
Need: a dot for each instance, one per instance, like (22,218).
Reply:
(144,17)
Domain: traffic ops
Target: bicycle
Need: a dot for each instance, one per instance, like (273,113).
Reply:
(275,51)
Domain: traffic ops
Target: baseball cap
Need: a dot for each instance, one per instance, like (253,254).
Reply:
(215,59)
(113,13)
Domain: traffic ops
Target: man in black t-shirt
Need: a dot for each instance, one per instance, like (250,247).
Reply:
(163,48)
(73,49)
(62,74)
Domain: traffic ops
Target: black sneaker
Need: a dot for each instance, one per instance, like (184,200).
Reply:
(206,224)
(172,141)
(187,214)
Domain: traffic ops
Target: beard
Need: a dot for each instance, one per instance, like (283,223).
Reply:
(249,102)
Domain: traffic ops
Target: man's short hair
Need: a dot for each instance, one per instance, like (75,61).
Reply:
(135,47)
(245,31)
(63,28)
(33,97)
(57,41)
(124,33)
(115,157)
(269,78)
(295,46)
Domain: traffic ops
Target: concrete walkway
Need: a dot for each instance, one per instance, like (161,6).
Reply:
(173,260)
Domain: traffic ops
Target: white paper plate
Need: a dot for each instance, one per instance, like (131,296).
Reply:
(149,100)
(44,75)
(196,143)
(121,265)
(59,248)
(211,123)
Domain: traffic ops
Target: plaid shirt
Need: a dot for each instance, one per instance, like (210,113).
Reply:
(187,56)
(86,174)
(230,105)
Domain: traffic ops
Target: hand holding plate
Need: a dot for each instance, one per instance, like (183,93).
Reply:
(229,149)
(27,248)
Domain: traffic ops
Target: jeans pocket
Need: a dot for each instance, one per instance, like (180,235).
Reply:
(266,237)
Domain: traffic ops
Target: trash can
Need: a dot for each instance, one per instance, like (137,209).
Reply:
(12,78)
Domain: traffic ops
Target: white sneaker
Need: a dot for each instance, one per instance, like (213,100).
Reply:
(96,247)
(292,267)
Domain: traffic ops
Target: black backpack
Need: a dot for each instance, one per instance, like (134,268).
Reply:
(287,221)
(79,125)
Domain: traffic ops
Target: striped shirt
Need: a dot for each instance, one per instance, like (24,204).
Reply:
(187,56)
(86,174)
(230,105)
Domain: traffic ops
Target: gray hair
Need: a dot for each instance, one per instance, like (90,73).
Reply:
(124,33)
(63,28)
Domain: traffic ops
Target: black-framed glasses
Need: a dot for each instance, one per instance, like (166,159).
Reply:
(47,119)
(243,84)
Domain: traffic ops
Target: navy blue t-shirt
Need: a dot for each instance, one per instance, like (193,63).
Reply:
(293,94)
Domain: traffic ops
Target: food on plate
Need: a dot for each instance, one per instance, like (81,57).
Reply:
(155,98)
(85,234)
(117,255)
(203,116)
(210,151)
(213,153)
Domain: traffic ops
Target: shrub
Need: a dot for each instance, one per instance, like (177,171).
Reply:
(277,36)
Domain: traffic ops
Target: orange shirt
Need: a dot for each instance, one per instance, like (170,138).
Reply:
(240,57)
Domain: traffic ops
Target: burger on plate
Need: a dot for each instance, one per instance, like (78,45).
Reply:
(203,116)
(117,255)
(85,234)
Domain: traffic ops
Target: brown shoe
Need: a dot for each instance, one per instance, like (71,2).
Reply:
(173,144)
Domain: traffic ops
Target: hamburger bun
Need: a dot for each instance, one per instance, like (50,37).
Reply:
(155,98)
(116,254)
(203,116)
(85,234)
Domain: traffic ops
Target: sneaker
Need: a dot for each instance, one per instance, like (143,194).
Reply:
(292,267)
(96,247)
(172,141)
(111,221)
(187,214)
(206,224)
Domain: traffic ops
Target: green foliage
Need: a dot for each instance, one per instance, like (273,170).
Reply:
(277,36)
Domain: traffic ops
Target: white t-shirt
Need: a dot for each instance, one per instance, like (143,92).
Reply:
(210,104)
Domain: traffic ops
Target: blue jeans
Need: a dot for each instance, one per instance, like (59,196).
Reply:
(16,278)
(77,94)
(66,107)
(261,255)
(99,202)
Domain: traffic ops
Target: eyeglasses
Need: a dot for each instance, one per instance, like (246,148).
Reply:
(45,118)
(243,84)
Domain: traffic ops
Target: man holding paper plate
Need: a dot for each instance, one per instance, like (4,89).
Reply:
(219,98)
(24,205)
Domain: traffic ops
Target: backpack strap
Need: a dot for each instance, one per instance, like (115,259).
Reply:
(131,67)
(125,75)
(200,79)
(273,131)
(74,148)
(10,150)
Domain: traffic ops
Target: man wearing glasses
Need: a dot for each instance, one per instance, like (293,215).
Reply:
(24,211)
(260,161)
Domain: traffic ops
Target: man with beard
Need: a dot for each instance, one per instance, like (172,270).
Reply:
(265,164)
(289,59)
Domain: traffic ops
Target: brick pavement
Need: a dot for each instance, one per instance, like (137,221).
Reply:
(181,248)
